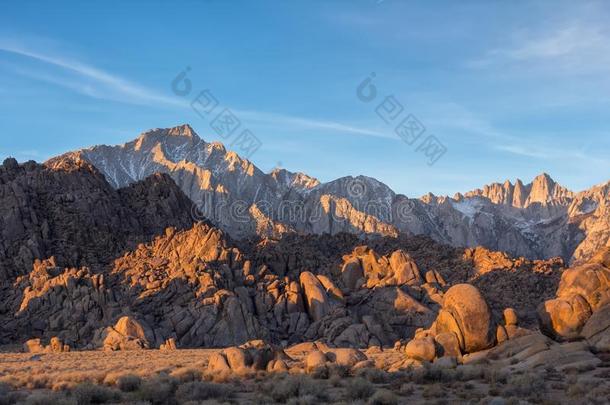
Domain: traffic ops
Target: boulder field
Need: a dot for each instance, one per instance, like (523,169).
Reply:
(85,266)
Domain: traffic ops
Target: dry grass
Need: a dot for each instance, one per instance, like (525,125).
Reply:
(89,393)
(201,390)
(383,397)
(284,387)
(128,382)
(525,385)
(359,388)
(163,378)
(27,371)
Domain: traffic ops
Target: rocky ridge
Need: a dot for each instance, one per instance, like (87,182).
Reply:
(539,220)
(69,211)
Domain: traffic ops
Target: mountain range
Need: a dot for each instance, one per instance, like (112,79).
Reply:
(538,220)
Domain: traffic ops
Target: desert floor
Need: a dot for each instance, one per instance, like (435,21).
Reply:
(180,376)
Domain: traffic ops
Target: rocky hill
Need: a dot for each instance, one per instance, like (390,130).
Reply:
(78,256)
(538,220)
(69,211)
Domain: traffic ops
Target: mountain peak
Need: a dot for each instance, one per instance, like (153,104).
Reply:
(158,134)
(178,134)
(543,178)
(297,180)
(544,190)
(219,146)
(182,130)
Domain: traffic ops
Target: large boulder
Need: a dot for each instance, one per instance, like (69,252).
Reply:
(597,329)
(251,356)
(36,346)
(536,351)
(583,291)
(316,299)
(262,353)
(466,314)
(404,269)
(128,326)
(57,346)
(399,310)
(591,281)
(127,334)
(218,363)
(435,278)
(364,264)
(315,360)
(33,346)
(277,366)
(294,298)
(374,269)
(238,359)
(563,318)
(347,357)
(355,335)
(331,289)
(422,349)
(448,345)
(352,274)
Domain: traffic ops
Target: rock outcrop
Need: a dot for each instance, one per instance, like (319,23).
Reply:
(127,334)
(465,313)
(536,351)
(583,293)
(190,285)
(422,349)
(251,356)
(317,301)
(194,287)
(169,345)
(54,346)
(464,327)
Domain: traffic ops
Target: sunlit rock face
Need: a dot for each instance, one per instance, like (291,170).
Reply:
(130,268)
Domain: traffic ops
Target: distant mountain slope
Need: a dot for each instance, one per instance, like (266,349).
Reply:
(541,219)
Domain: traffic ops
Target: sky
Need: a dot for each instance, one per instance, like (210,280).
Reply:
(503,90)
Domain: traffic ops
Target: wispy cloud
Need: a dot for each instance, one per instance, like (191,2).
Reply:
(288,121)
(78,87)
(564,42)
(582,157)
(523,151)
(454,118)
(101,84)
(449,116)
(107,84)
(572,47)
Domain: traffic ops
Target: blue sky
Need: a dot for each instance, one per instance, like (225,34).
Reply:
(511,89)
